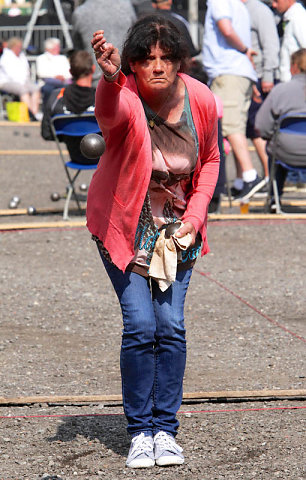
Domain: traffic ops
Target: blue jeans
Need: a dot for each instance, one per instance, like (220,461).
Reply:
(153,350)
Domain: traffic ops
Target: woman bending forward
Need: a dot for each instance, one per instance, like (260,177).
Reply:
(160,167)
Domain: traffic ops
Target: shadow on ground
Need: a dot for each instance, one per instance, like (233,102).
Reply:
(109,430)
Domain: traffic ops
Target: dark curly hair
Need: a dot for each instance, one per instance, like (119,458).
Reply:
(145,33)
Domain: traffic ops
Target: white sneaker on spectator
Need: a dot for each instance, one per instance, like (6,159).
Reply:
(39,116)
(141,453)
(166,450)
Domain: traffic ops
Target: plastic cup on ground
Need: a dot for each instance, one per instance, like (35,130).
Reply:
(244,207)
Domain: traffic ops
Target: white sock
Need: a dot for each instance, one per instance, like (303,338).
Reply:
(238,183)
(249,175)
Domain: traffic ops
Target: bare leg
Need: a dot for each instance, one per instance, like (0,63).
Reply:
(260,146)
(240,148)
(35,100)
(32,101)
(238,167)
(26,98)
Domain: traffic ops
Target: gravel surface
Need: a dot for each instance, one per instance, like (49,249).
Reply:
(60,329)
(226,444)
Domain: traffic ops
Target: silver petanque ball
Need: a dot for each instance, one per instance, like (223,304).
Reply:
(92,146)
(12,204)
(32,210)
(55,196)
(16,199)
(83,187)
(172,228)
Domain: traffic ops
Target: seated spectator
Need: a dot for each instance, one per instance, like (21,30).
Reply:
(14,10)
(265,42)
(284,98)
(78,97)
(53,69)
(227,57)
(15,76)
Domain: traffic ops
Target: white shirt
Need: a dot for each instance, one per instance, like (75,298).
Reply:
(50,66)
(294,37)
(220,58)
(14,68)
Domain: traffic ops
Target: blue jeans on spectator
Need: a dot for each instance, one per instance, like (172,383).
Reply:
(153,350)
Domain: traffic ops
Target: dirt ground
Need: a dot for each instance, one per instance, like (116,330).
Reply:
(60,329)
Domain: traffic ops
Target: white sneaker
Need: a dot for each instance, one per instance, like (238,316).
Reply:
(166,450)
(39,116)
(141,454)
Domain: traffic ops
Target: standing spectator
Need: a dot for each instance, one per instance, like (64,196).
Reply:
(197,71)
(143,7)
(294,36)
(227,57)
(53,69)
(114,18)
(265,43)
(285,97)
(15,76)
(164,7)
(78,97)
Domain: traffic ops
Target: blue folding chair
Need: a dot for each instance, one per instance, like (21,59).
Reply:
(70,129)
(292,123)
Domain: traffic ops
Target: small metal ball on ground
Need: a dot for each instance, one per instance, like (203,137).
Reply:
(55,196)
(83,187)
(12,204)
(32,210)
(15,200)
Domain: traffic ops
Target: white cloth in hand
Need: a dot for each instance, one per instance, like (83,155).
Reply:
(166,254)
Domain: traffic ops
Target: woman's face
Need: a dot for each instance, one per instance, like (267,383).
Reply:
(156,73)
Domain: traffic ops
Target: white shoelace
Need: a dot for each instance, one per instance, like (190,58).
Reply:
(141,444)
(167,442)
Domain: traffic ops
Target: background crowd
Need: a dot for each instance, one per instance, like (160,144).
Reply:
(241,58)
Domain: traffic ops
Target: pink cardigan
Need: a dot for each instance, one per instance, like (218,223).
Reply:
(120,183)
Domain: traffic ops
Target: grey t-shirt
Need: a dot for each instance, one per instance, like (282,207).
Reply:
(115,18)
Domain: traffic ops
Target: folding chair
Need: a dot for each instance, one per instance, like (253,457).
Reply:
(76,126)
(292,123)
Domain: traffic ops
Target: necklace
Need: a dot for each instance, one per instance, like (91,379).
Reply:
(151,121)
